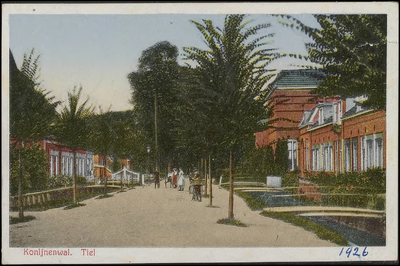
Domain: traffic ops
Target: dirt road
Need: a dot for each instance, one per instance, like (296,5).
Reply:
(163,217)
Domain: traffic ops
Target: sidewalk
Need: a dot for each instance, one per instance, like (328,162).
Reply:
(163,217)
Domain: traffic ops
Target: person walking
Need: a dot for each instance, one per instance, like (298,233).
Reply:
(181,180)
(157,179)
(174,178)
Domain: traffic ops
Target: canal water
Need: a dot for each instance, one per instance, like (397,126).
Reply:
(358,231)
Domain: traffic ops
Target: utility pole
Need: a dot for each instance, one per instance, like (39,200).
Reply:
(155,127)
(230,214)
(205,175)
(209,176)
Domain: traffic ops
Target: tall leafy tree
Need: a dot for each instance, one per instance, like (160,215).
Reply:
(154,95)
(73,126)
(32,110)
(101,137)
(352,49)
(233,78)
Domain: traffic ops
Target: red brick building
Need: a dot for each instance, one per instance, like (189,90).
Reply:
(61,157)
(329,135)
(352,142)
(289,97)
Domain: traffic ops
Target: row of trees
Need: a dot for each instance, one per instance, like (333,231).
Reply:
(208,110)
(215,107)
(34,116)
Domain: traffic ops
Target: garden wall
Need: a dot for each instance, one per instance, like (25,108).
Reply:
(58,195)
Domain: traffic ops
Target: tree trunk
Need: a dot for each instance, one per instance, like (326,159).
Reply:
(74,179)
(122,178)
(201,167)
(205,175)
(20,200)
(209,176)
(230,215)
(105,175)
(155,128)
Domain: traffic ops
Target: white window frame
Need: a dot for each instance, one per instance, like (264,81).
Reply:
(347,155)
(307,155)
(328,156)
(321,116)
(354,149)
(369,145)
(315,158)
(379,150)
(292,156)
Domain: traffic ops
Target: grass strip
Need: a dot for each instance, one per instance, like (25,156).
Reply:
(16,220)
(321,231)
(229,221)
(75,205)
(104,196)
(254,203)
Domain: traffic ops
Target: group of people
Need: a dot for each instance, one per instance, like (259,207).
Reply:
(176,178)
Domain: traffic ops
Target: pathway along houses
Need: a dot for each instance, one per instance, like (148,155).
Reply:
(89,165)
(330,135)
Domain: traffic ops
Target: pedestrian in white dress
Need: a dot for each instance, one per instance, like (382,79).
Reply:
(181,180)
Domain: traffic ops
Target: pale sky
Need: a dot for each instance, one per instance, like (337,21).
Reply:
(98,51)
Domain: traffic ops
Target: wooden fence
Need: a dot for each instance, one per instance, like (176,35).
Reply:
(58,195)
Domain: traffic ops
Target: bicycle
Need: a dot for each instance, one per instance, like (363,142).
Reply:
(196,192)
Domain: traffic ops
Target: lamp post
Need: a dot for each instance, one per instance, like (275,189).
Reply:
(148,157)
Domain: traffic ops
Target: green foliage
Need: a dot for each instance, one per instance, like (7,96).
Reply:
(32,111)
(319,230)
(104,196)
(74,205)
(35,173)
(155,87)
(254,203)
(258,162)
(72,127)
(363,190)
(231,75)
(373,180)
(290,180)
(261,162)
(81,180)
(230,221)
(16,220)
(60,181)
(281,157)
(352,50)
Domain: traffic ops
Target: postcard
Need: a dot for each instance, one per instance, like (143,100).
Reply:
(199,133)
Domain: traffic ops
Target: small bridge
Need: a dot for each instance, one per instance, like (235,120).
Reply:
(127,177)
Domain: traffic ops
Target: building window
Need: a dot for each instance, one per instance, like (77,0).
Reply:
(51,165)
(307,155)
(327,157)
(62,165)
(379,151)
(315,157)
(355,153)
(321,116)
(347,155)
(71,166)
(292,148)
(334,117)
(56,173)
(363,155)
(370,151)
